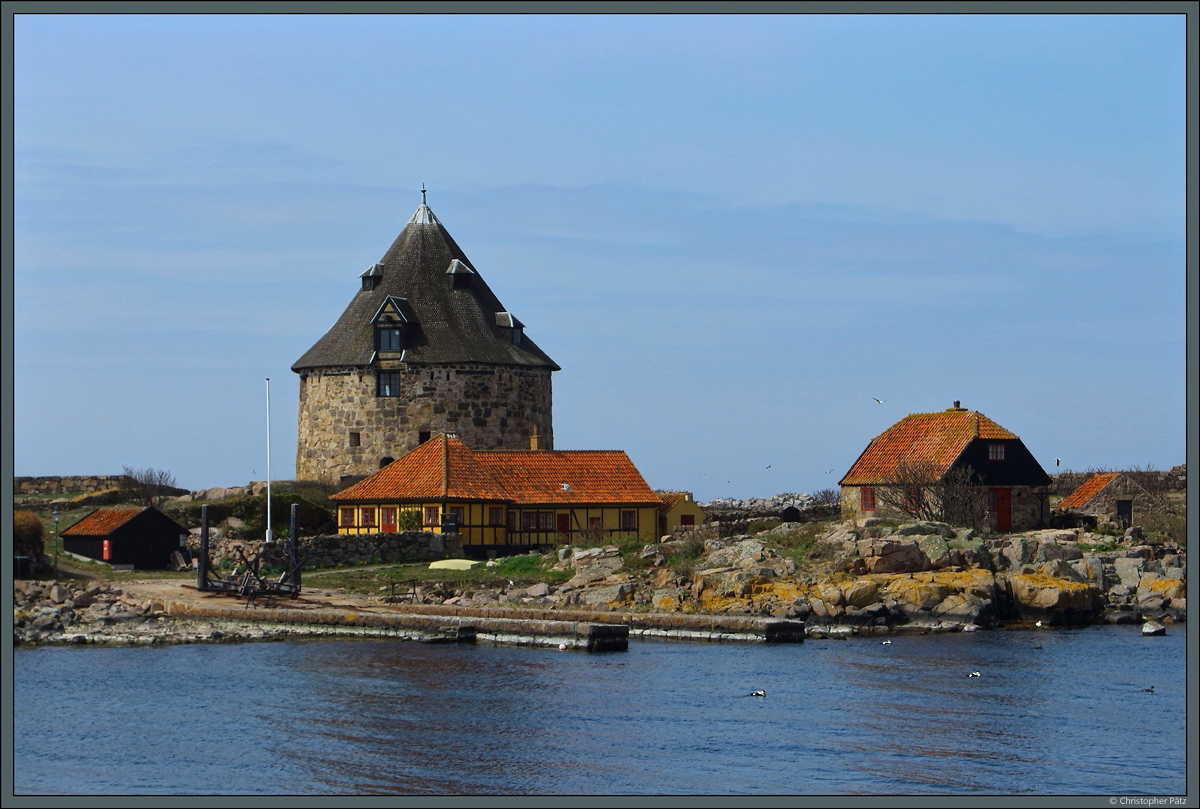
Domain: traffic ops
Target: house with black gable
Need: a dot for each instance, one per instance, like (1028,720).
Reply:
(424,347)
(923,450)
(142,537)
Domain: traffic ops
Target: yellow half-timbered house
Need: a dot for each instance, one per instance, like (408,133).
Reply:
(505,499)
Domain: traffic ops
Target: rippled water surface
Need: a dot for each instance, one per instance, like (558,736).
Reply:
(839,717)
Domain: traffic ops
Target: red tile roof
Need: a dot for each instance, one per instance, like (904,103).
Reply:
(445,467)
(441,467)
(933,440)
(568,476)
(669,499)
(102,522)
(1090,488)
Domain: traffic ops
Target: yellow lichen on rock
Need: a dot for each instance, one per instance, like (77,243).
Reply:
(1168,588)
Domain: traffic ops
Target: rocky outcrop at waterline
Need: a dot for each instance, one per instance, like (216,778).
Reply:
(917,576)
(853,577)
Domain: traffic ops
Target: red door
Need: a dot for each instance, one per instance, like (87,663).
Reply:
(106,550)
(387,520)
(1002,509)
(564,524)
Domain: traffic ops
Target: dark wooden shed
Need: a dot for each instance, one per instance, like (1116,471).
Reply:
(141,537)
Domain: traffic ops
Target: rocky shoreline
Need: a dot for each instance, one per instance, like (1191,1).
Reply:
(872,578)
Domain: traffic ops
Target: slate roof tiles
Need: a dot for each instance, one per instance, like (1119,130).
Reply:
(452,324)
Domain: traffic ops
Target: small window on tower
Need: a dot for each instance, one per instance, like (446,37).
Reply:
(355,439)
(422,436)
(389,383)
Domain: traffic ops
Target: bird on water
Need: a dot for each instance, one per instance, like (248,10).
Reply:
(974,674)
(758,693)
(1149,690)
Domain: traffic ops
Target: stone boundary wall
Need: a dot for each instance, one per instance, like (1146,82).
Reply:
(332,550)
(59,484)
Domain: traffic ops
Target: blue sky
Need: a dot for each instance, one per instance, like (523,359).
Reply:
(732,232)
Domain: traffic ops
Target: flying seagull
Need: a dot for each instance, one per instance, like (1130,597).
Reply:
(878,401)
(1057,461)
(974,674)
(886,643)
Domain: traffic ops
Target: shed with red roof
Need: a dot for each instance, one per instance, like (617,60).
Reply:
(139,537)
(1113,497)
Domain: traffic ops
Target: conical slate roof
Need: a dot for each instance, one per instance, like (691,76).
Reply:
(453,323)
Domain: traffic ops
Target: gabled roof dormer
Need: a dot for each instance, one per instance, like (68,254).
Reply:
(460,274)
(510,327)
(394,324)
(371,277)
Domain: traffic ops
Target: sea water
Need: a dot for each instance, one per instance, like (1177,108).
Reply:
(1053,712)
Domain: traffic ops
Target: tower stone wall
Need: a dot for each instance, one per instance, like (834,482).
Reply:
(345,428)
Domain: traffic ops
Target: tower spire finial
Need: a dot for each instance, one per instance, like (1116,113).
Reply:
(422,193)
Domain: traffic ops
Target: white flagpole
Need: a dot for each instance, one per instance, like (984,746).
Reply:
(268,459)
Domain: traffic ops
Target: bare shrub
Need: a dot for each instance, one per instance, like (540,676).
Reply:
(147,487)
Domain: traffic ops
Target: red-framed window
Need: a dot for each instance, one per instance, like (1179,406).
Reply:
(995,452)
(431,515)
(367,516)
(866,498)
(346,517)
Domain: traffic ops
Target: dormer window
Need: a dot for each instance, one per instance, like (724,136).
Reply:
(995,452)
(510,326)
(460,273)
(372,277)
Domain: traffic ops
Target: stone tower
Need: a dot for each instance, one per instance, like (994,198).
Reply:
(423,348)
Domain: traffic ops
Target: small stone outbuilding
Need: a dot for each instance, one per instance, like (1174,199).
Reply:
(923,451)
(1112,497)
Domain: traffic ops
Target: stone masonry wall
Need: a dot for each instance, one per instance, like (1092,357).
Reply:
(331,550)
(486,406)
(58,484)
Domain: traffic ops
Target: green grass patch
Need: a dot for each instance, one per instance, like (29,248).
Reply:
(797,544)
